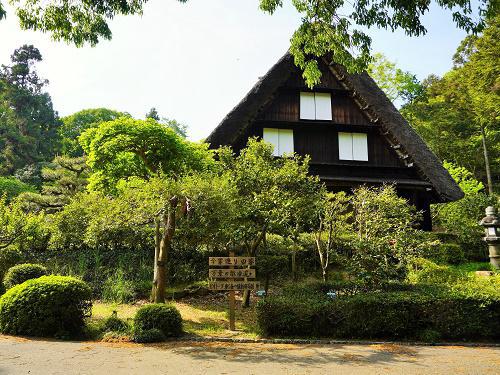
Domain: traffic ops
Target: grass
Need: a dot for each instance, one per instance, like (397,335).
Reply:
(202,316)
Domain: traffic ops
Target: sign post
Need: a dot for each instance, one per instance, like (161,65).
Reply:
(227,276)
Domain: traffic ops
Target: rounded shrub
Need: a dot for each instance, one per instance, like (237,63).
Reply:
(50,306)
(22,272)
(115,324)
(10,256)
(150,335)
(165,318)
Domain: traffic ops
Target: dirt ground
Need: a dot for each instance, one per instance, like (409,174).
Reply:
(26,356)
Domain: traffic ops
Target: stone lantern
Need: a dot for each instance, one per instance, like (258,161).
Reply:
(491,224)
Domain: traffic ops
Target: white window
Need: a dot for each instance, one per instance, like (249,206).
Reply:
(353,146)
(281,139)
(315,106)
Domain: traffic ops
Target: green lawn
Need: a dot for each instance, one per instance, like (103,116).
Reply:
(202,316)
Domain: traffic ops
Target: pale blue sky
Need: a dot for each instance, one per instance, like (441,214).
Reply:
(195,61)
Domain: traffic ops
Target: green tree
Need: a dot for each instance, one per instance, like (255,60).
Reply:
(334,221)
(16,226)
(74,125)
(269,192)
(458,115)
(461,218)
(397,84)
(386,238)
(177,127)
(28,130)
(63,179)
(327,28)
(11,187)
(126,148)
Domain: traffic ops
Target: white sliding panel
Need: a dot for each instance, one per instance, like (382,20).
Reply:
(307,107)
(345,146)
(272,136)
(359,147)
(285,141)
(323,106)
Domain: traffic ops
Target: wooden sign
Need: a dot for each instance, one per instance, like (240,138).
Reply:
(231,261)
(226,273)
(231,274)
(233,285)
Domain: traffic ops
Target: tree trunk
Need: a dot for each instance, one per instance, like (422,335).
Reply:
(157,253)
(166,242)
(486,161)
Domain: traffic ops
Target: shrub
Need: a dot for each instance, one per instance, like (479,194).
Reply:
(117,289)
(47,306)
(165,318)
(426,271)
(446,253)
(12,187)
(114,324)
(149,335)
(394,315)
(22,272)
(10,256)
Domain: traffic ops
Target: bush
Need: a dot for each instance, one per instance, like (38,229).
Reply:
(12,187)
(48,306)
(427,316)
(446,253)
(150,335)
(114,324)
(10,256)
(22,272)
(159,316)
(117,289)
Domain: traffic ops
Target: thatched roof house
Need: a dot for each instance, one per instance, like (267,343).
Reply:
(353,132)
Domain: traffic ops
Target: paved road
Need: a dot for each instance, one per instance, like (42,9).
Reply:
(23,356)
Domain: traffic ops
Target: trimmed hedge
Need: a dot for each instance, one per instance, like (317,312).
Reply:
(157,316)
(393,315)
(50,306)
(22,272)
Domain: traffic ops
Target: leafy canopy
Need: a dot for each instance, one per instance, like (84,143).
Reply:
(28,126)
(126,147)
(328,27)
(74,125)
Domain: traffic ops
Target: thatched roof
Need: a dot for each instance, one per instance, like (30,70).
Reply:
(369,97)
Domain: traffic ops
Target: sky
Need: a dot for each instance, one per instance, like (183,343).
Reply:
(194,62)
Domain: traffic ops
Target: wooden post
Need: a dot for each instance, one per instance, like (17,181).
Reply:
(232,301)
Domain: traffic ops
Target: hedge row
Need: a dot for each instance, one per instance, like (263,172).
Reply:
(393,315)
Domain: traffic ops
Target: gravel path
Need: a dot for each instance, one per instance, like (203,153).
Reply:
(25,356)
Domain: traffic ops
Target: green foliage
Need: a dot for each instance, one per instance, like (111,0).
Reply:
(117,289)
(149,335)
(18,227)
(12,187)
(158,316)
(393,315)
(272,194)
(397,84)
(29,123)
(9,256)
(462,217)
(62,179)
(75,124)
(446,253)
(125,148)
(48,306)
(326,28)
(20,273)
(450,114)
(386,238)
(115,324)
(334,221)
